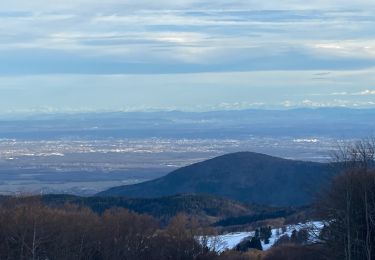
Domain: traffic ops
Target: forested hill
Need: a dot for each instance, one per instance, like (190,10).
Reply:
(244,176)
(207,209)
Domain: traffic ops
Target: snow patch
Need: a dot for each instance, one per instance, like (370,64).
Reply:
(221,243)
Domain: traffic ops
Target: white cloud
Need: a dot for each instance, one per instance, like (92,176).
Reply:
(339,93)
(367,92)
(287,103)
(363,48)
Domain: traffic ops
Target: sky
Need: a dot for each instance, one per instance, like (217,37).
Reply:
(193,55)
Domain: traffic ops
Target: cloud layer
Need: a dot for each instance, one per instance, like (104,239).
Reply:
(89,36)
(320,53)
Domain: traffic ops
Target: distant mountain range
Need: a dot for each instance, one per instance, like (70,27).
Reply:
(333,122)
(244,176)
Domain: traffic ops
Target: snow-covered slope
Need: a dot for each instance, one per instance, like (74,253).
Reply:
(229,241)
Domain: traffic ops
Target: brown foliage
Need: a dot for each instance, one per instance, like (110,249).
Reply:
(31,230)
(296,252)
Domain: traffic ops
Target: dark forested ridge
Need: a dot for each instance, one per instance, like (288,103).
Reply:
(161,208)
(207,209)
(244,176)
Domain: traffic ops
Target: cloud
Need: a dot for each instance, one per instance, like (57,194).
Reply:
(367,92)
(339,93)
(171,36)
(363,48)
(331,103)
(221,54)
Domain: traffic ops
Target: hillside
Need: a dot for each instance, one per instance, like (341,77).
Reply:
(245,176)
(207,209)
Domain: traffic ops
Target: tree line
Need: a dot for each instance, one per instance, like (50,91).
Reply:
(31,230)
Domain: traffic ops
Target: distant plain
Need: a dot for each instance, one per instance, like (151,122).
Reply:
(86,153)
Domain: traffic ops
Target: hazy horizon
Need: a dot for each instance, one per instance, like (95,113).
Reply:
(35,113)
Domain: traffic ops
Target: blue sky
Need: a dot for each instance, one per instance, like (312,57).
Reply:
(91,55)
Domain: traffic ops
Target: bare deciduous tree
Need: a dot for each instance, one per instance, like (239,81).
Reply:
(349,204)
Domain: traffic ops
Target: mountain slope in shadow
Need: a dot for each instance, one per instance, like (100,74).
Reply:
(244,176)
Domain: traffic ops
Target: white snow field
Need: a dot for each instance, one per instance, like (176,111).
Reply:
(221,243)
